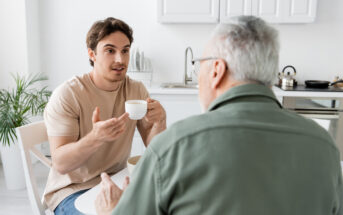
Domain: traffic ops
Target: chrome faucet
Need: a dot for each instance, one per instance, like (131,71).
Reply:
(187,78)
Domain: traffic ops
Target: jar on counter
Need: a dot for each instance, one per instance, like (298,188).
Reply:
(340,85)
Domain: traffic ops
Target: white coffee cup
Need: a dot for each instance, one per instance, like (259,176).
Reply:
(136,109)
(131,163)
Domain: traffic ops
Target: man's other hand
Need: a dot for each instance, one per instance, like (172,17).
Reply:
(109,195)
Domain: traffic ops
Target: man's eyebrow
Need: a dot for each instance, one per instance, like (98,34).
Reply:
(109,45)
(113,46)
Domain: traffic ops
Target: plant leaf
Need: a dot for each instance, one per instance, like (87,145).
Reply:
(16,105)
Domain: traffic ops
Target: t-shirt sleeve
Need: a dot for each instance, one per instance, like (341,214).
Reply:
(142,195)
(61,115)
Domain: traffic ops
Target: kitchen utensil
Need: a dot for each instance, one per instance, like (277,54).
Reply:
(280,76)
(133,60)
(340,85)
(138,58)
(320,84)
(147,65)
(136,109)
(288,79)
(131,163)
(141,62)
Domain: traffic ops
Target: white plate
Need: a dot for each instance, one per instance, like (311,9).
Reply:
(85,202)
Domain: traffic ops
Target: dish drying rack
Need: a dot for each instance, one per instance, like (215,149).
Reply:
(140,67)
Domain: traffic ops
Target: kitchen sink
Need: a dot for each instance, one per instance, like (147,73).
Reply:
(179,85)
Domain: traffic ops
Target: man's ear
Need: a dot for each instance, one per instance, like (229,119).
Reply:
(218,73)
(91,54)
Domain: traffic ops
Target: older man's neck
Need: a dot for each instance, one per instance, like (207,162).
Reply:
(230,84)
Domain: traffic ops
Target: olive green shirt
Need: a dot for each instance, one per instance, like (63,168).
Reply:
(246,155)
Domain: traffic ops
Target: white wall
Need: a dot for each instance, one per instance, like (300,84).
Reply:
(33,36)
(13,41)
(316,50)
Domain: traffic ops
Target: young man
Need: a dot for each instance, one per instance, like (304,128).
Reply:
(246,155)
(89,131)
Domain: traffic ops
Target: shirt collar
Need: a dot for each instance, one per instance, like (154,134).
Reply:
(245,90)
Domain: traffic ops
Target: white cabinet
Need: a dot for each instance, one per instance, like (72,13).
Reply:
(212,11)
(296,11)
(270,10)
(188,11)
(178,106)
(230,8)
(285,11)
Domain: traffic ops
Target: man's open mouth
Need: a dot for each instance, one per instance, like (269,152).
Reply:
(118,69)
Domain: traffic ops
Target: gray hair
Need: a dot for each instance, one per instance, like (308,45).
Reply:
(250,47)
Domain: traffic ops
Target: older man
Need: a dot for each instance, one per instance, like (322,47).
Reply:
(246,154)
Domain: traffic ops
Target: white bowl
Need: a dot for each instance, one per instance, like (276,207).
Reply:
(131,163)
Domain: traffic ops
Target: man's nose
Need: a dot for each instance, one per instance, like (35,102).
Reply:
(118,57)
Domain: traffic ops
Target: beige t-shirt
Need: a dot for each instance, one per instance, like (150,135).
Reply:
(69,113)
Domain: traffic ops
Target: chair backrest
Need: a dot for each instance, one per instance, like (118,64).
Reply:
(28,137)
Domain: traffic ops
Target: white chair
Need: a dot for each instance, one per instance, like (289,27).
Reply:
(28,137)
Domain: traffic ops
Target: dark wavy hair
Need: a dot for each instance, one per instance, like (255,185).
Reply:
(103,28)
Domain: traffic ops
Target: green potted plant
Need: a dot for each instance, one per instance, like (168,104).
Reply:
(17,106)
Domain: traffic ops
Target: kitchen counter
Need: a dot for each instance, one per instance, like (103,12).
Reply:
(309,94)
(157,90)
